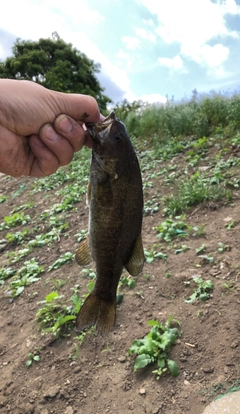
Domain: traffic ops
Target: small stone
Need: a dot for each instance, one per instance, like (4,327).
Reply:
(234,344)
(52,392)
(208,369)
(142,391)
(122,359)
(225,369)
(69,410)
(186,382)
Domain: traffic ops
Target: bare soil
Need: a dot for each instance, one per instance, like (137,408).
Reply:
(100,378)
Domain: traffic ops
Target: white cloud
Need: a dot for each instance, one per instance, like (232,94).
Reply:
(174,63)
(212,56)
(144,34)
(122,55)
(193,24)
(153,98)
(132,43)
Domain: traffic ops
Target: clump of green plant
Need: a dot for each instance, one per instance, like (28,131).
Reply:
(127,281)
(153,255)
(202,291)
(32,358)
(222,247)
(170,229)
(64,258)
(190,192)
(17,255)
(16,219)
(6,273)
(25,276)
(44,239)
(82,235)
(3,198)
(23,207)
(17,237)
(56,316)
(155,346)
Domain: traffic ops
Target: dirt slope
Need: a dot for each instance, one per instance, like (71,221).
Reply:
(97,376)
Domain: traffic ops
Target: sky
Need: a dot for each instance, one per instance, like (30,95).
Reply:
(148,49)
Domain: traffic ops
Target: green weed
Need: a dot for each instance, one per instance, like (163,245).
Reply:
(6,273)
(3,199)
(64,258)
(32,358)
(202,291)
(56,316)
(17,237)
(25,276)
(153,255)
(17,219)
(155,346)
(170,229)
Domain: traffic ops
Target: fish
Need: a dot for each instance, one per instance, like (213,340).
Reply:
(114,240)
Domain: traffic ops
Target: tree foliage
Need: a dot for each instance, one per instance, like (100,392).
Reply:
(56,65)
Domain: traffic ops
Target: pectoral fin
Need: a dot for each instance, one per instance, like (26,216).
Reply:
(135,264)
(83,253)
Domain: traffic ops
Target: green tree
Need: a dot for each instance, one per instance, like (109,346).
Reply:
(56,65)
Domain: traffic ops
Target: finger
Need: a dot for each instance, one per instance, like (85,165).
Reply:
(57,144)
(83,108)
(45,161)
(15,154)
(71,130)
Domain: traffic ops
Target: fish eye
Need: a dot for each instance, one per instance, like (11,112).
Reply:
(118,137)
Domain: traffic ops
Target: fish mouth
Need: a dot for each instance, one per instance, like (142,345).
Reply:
(95,129)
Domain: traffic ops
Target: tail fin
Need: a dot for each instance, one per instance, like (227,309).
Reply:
(96,311)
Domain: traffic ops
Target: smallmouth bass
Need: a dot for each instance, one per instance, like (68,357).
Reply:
(115,200)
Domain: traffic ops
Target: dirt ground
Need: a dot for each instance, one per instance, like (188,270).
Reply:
(97,376)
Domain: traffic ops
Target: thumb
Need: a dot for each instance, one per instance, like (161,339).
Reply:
(83,108)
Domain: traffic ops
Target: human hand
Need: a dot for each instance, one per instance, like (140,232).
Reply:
(41,129)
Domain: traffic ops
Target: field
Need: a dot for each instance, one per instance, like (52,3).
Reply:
(192,273)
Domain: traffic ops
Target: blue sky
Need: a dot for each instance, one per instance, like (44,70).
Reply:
(147,48)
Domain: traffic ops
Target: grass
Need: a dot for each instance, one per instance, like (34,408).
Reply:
(155,346)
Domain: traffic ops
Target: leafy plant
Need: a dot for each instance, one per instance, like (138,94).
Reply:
(31,358)
(56,316)
(82,235)
(222,247)
(170,229)
(6,273)
(16,256)
(64,258)
(16,219)
(154,347)
(25,276)
(44,239)
(153,255)
(3,198)
(202,291)
(23,207)
(201,249)
(17,237)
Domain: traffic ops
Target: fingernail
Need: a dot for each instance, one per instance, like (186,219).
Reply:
(66,125)
(51,134)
